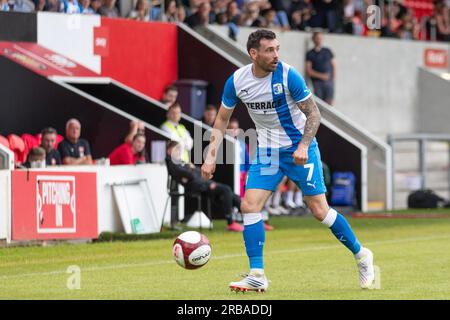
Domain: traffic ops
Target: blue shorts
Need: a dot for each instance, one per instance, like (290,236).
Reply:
(272,164)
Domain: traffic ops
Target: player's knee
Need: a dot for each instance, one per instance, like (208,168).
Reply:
(319,209)
(248,207)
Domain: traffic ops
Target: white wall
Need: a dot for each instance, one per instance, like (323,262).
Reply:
(377,79)
(70,35)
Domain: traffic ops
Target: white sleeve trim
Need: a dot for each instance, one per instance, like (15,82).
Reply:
(228,107)
(307,97)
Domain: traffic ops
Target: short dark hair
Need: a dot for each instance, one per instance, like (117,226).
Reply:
(35,152)
(255,37)
(48,130)
(170,88)
(173,106)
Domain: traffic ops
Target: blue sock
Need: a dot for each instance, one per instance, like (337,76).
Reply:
(342,230)
(254,237)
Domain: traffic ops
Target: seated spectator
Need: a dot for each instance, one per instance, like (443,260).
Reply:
(35,158)
(170,12)
(48,5)
(126,153)
(86,7)
(209,115)
(250,14)
(442,15)
(73,150)
(268,20)
(141,12)
(48,140)
(71,6)
(201,17)
(4,5)
(190,177)
(170,95)
(181,13)
(96,5)
(108,9)
(135,127)
(20,6)
(233,13)
(178,131)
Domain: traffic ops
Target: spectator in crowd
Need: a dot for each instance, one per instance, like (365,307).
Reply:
(18,6)
(141,11)
(170,95)
(4,5)
(281,8)
(108,9)
(49,5)
(442,16)
(201,16)
(170,12)
(135,127)
(178,131)
(188,175)
(326,14)
(233,13)
(409,29)
(301,12)
(86,7)
(250,14)
(48,140)
(35,158)
(181,13)
(209,115)
(321,68)
(127,153)
(73,150)
(71,6)
(268,20)
(96,5)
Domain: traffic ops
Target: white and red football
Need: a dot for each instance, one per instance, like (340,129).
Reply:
(191,250)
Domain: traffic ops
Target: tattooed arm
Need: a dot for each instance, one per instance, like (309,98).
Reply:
(221,123)
(312,113)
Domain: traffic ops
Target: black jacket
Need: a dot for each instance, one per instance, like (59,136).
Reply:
(195,182)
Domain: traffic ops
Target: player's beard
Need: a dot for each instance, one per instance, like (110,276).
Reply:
(267,67)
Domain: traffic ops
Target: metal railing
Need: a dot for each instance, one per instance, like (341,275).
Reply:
(422,139)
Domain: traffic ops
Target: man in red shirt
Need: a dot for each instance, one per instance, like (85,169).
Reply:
(129,153)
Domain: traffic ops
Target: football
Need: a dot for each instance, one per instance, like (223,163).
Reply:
(191,250)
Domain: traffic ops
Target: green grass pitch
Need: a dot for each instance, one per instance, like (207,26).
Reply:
(302,258)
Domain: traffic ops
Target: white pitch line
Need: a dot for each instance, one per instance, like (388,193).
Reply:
(228,256)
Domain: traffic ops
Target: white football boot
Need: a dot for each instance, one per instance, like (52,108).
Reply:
(366,269)
(251,282)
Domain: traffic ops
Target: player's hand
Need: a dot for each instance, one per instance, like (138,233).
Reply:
(301,155)
(208,170)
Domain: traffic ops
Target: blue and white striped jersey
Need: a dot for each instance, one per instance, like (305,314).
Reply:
(271,103)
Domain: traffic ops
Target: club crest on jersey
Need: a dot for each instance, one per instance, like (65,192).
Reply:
(277,88)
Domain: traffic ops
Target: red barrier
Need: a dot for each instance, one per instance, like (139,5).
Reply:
(54,205)
(141,55)
(42,60)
